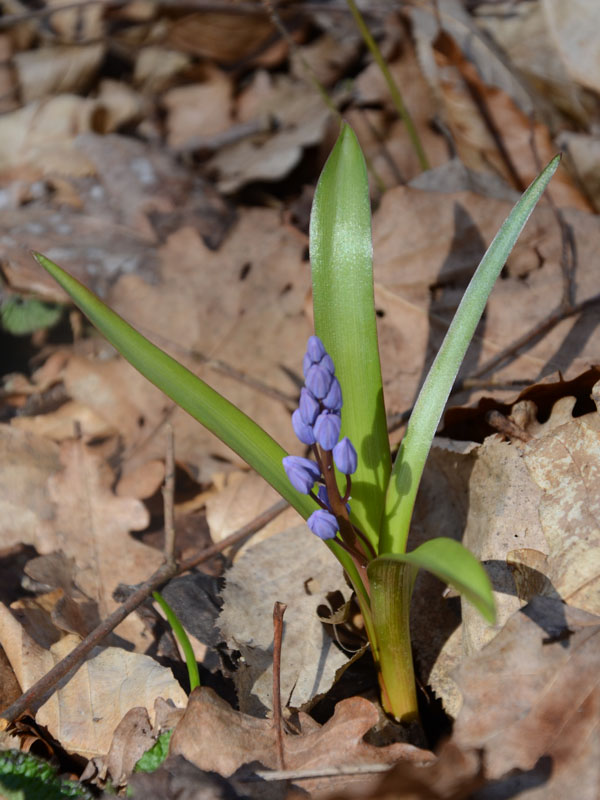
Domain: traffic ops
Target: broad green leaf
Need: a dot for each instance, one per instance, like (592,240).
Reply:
(452,563)
(195,396)
(408,467)
(342,274)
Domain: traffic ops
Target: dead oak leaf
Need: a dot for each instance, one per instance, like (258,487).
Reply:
(532,700)
(92,525)
(215,737)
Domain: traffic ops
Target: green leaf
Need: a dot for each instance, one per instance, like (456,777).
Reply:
(23,315)
(154,757)
(342,274)
(452,563)
(408,467)
(182,638)
(195,396)
(221,417)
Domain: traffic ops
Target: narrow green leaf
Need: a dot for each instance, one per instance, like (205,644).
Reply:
(195,396)
(452,563)
(408,467)
(182,638)
(342,274)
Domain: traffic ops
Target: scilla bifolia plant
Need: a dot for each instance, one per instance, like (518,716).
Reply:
(364,519)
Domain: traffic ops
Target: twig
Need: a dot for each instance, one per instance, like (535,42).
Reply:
(43,689)
(318,772)
(168,493)
(278,612)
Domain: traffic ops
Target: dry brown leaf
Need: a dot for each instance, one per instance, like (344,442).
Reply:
(85,711)
(132,737)
(118,104)
(81,21)
(328,57)
(542,496)
(65,422)
(525,39)
(142,482)
(427,266)
(40,135)
(242,496)
(242,305)
(26,463)
(375,128)
(532,701)
(92,525)
(202,109)
(455,775)
(215,737)
(293,568)
(57,70)
(477,125)
(225,38)
(155,68)
(583,152)
(301,118)
(574,30)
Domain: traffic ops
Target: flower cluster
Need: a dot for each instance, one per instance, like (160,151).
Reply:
(317,422)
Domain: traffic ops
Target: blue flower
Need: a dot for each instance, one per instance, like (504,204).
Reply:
(318,381)
(333,398)
(315,349)
(308,406)
(345,456)
(303,431)
(327,429)
(302,472)
(323,524)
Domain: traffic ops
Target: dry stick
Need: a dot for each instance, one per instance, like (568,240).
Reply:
(278,612)
(43,689)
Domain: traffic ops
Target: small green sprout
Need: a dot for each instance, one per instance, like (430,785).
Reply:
(353,461)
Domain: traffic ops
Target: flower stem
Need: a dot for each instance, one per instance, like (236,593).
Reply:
(391,589)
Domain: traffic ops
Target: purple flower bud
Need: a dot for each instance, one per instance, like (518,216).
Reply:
(302,472)
(306,364)
(309,407)
(345,456)
(323,524)
(327,363)
(315,349)
(318,381)
(333,398)
(323,496)
(327,429)
(303,431)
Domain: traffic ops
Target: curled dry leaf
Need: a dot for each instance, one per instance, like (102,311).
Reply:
(532,701)
(541,495)
(216,738)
